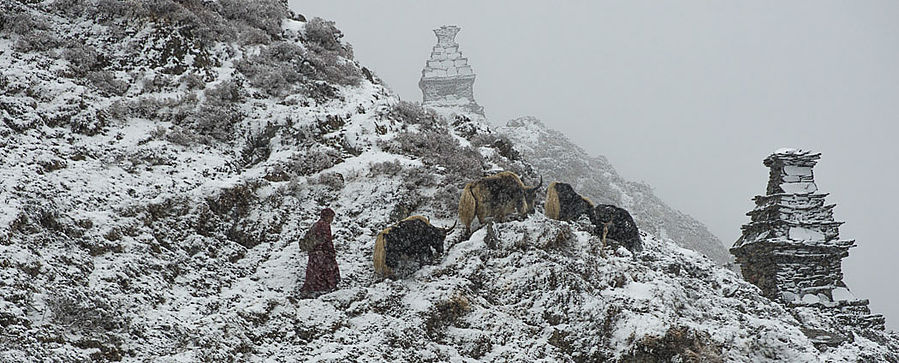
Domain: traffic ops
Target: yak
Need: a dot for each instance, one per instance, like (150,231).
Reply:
(408,244)
(618,225)
(564,204)
(496,196)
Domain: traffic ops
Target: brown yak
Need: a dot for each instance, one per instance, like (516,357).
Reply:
(496,197)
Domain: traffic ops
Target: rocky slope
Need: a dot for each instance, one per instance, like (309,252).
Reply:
(161,158)
(594,177)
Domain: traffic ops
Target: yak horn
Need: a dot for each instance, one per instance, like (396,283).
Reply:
(448,230)
(540,184)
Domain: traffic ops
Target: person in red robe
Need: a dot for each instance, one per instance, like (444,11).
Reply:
(322,273)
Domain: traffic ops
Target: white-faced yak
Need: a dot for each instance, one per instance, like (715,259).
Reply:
(496,196)
(620,224)
(402,248)
(564,204)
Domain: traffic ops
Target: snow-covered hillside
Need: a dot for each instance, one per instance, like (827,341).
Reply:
(160,160)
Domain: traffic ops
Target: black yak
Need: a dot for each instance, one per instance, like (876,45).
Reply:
(496,196)
(564,204)
(620,224)
(403,247)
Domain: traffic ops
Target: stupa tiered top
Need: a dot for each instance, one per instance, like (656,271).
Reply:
(447,81)
(791,249)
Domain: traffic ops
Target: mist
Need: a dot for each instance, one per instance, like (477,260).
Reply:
(687,97)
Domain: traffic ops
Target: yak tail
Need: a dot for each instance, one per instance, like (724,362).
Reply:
(380,256)
(468,205)
(551,208)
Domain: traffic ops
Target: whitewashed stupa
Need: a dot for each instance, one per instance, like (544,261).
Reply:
(447,81)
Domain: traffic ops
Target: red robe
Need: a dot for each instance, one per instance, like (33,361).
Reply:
(322,273)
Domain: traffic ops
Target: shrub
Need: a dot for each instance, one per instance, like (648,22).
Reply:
(413,113)
(106,83)
(331,59)
(178,136)
(91,312)
(440,149)
(157,83)
(256,146)
(283,67)
(226,92)
(275,81)
(17,114)
(446,200)
(418,177)
(21,23)
(288,52)
(89,123)
(151,156)
(321,92)
(500,142)
(215,120)
(193,81)
(389,168)
(322,35)
(333,69)
(83,58)
(38,40)
(313,161)
(265,15)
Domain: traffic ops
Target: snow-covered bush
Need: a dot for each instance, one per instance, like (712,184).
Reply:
(322,35)
(388,168)
(283,68)
(37,40)
(19,22)
(678,342)
(331,59)
(158,83)
(193,81)
(256,146)
(226,92)
(216,117)
(320,92)
(415,114)
(312,161)
(106,83)
(82,59)
(91,122)
(278,80)
(334,181)
(91,311)
(439,148)
(500,142)
(265,15)
(17,114)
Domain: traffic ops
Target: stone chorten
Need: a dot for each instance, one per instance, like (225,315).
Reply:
(791,248)
(447,80)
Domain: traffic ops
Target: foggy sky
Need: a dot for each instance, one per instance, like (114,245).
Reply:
(688,97)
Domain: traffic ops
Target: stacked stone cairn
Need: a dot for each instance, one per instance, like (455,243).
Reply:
(791,249)
(447,81)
